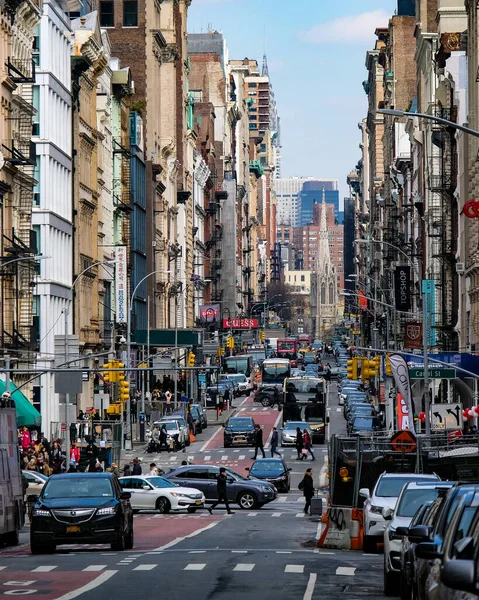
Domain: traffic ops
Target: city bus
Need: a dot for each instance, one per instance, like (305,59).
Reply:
(242,364)
(288,348)
(273,372)
(305,402)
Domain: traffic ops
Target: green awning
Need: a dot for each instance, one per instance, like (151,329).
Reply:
(27,414)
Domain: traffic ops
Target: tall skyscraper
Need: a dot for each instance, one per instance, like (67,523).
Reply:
(288,203)
(312,193)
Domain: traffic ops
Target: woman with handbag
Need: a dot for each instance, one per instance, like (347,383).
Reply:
(307,445)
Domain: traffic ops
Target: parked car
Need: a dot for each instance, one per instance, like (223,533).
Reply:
(362,425)
(81,508)
(248,493)
(160,494)
(199,415)
(273,470)
(231,385)
(288,433)
(174,428)
(241,381)
(384,495)
(36,481)
(434,533)
(413,495)
(239,431)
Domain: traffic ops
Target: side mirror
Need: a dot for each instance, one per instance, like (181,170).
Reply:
(289,469)
(230,480)
(427,550)
(402,531)
(246,468)
(387,514)
(364,492)
(125,495)
(145,487)
(224,425)
(419,533)
(460,575)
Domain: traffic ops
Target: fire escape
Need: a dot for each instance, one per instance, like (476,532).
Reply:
(213,245)
(441,220)
(19,241)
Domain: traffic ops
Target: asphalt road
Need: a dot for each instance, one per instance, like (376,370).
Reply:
(269,553)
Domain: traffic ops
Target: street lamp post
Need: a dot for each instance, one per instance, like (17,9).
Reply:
(425,327)
(392,112)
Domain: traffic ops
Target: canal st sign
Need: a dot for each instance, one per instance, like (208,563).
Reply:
(240,324)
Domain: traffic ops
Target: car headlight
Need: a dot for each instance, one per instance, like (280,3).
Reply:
(392,534)
(41,512)
(178,495)
(283,478)
(110,510)
(377,510)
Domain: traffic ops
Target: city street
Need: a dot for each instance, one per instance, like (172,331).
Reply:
(269,553)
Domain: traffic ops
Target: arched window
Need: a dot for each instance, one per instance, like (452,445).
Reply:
(323,293)
(331,294)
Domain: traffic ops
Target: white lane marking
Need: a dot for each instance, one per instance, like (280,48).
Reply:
(2,568)
(308,594)
(224,457)
(235,450)
(239,551)
(300,515)
(181,539)
(345,571)
(94,568)
(244,567)
(276,514)
(195,567)
(294,569)
(339,409)
(105,576)
(252,514)
(210,439)
(44,569)
(283,552)
(319,531)
(197,552)
(322,475)
(145,567)
(242,457)
(282,499)
(207,458)
(172,458)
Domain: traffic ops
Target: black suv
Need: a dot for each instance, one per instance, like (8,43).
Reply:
(239,431)
(82,508)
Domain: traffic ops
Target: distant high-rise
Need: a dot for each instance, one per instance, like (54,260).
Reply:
(312,193)
(288,203)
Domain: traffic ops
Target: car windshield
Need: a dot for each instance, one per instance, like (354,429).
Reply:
(78,487)
(363,423)
(235,474)
(170,425)
(267,465)
(292,425)
(240,423)
(390,487)
(238,378)
(412,500)
(160,482)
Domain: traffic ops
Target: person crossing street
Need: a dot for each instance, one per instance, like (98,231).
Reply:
(306,486)
(274,443)
(258,442)
(221,492)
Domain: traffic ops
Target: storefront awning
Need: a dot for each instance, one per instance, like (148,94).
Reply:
(27,414)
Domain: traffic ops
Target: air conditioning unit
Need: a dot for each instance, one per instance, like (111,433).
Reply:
(460,268)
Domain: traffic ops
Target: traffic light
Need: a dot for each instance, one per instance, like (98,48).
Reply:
(261,336)
(191,359)
(368,370)
(352,368)
(124,391)
(230,342)
(119,375)
(109,376)
(389,371)
(221,351)
(377,361)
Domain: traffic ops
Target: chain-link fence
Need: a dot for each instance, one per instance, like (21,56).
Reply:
(358,462)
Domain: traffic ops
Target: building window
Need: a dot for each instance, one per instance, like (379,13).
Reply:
(302,277)
(252,84)
(106,14)
(196,95)
(38,248)
(130,13)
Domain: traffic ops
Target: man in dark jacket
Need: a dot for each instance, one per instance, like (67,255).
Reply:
(274,443)
(136,467)
(307,487)
(258,441)
(221,492)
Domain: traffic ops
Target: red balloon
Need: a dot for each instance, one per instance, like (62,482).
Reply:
(470,414)
(422,417)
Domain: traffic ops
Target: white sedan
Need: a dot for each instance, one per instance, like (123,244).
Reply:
(157,493)
(36,481)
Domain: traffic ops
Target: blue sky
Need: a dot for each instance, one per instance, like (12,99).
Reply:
(316,53)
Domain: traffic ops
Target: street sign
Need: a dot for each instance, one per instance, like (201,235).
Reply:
(68,382)
(403,441)
(446,417)
(101,401)
(202,380)
(434,373)
(240,323)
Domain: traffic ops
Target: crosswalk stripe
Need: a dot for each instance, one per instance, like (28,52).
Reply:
(235,450)
(224,457)
(244,567)
(242,457)
(282,499)
(44,569)
(195,567)
(300,514)
(94,568)
(294,569)
(207,458)
(144,567)
(276,514)
(345,571)
(252,514)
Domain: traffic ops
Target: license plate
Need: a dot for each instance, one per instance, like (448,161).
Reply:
(198,502)
(73,529)
(240,439)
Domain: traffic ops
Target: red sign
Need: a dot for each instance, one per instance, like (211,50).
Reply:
(363,301)
(413,336)
(240,324)
(471,209)
(403,441)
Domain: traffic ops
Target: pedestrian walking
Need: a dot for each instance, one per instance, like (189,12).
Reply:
(168,407)
(91,452)
(164,438)
(299,444)
(136,467)
(306,485)
(221,492)
(307,444)
(155,438)
(258,441)
(153,470)
(276,400)
(274,443)
(98,468)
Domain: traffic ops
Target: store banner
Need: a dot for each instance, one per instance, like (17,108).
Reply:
(402,288)
(413,336)
(121,284)
(210,313)
(405,411)
(429,291)
(363,302)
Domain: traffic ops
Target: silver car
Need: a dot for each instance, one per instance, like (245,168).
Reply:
(288,433)
(173,427)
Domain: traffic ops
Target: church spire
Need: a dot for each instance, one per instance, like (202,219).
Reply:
(324,256)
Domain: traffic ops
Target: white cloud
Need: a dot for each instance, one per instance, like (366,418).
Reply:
(350,29)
